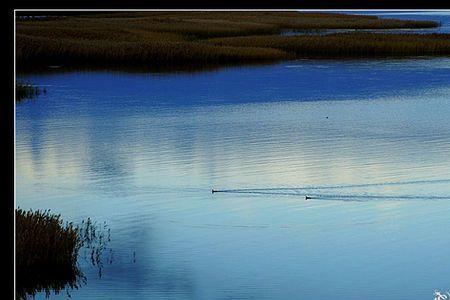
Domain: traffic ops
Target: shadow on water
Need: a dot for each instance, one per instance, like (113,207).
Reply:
(180,68)
(65,280)
(40,269)
(187,68)
(143,271)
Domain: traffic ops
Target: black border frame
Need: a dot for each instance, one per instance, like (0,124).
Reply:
(7,110)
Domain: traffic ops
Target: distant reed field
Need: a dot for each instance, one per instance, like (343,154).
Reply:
(347,44)
(159,39)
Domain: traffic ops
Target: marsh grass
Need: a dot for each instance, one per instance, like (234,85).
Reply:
(171,39)
(347,44)
(26,91)
(47,250)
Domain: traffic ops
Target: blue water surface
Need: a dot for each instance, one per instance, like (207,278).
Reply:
(141,152)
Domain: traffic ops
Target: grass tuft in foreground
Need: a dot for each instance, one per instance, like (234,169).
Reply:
(47,250)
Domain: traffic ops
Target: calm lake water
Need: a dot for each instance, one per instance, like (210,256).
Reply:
(368,139)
